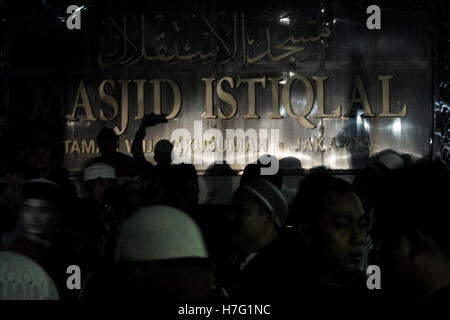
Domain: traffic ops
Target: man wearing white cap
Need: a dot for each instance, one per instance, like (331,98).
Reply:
(160,256)
(97,178)
(106,212)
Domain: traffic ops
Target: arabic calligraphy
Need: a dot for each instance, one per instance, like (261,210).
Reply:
(195,37)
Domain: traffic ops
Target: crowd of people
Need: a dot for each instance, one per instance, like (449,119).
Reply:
(148,239)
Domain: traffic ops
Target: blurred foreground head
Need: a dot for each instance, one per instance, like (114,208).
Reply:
(23,279)
(164,250)
(40,213)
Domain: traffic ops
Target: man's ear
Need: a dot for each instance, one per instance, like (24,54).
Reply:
(416,243)
(270,217)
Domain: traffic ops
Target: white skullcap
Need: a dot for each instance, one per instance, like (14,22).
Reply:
(159,233)
(42,180)
(99,170)
(271,196)
(23,279)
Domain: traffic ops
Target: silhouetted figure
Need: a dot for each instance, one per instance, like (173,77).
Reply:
(103,213)
(380,164)
(411,234)
(290,165)
(163,153)
(253,170)
(108,144)
(143,167)
(178,184)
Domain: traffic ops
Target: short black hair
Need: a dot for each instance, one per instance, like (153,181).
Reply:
(308,202)
(415,198)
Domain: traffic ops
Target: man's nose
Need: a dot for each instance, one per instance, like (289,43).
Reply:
(358,235)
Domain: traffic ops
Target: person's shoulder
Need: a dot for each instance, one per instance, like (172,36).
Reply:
(109,282)
(440,298)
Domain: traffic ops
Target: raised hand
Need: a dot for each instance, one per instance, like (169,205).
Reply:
(152,119)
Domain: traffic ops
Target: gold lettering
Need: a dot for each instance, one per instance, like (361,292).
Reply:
(226,97)
(333,144)
(318,144)
(360,89)
(66,146)
(275,103)
(209,98)
(128,144)
(87,148)
(150,146)
(307,145)
(299,145)
(85,104)
(124,119)
(75,147)
(286,98)
(251,94)
(108,100)
(320,101)
(157,97)
(386,113)
(140,99)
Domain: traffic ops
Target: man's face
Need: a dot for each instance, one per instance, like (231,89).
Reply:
(342,232)
(97,187)
(38,217)
(246,222)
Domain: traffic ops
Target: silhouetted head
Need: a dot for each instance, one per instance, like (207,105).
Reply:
(411,227)
(253,170)
(163,152)
(107,141)
(290,165)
